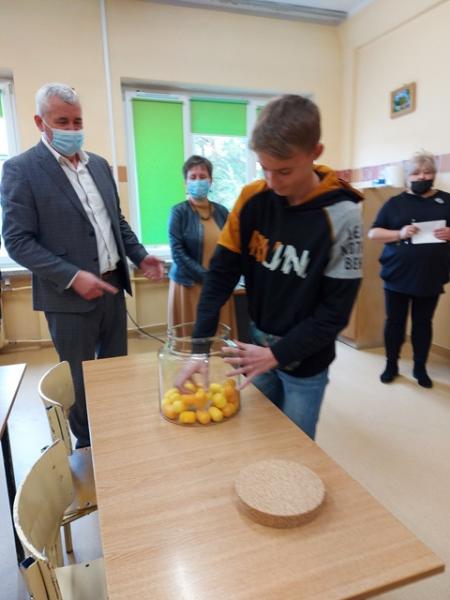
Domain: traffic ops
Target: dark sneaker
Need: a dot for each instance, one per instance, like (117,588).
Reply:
(389,373)
(422,377)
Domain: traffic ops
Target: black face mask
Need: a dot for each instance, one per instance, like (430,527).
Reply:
(422,186)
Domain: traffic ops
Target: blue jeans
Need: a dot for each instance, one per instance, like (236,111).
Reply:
(300,398)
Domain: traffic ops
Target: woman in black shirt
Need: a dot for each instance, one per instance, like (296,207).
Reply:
(414,270)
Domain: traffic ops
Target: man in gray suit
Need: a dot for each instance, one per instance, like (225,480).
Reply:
(62,221)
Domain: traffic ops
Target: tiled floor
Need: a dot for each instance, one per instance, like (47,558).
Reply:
(394,439)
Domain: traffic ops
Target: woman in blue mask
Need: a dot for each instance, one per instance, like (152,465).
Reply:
(194,228)
(414,264)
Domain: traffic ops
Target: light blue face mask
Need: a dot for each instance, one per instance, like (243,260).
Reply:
(198,188)
(67,141)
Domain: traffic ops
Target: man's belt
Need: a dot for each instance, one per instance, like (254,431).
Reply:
(108,274)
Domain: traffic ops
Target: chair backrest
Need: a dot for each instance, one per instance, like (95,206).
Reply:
(43,496)
(57,393)
(56,386)
(40,580)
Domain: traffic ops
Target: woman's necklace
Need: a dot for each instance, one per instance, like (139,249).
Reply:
(196,208)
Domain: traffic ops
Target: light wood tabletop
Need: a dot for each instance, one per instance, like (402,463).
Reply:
(10,378)
(169,521)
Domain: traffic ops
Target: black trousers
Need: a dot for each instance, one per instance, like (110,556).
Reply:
(422,311)
(99,333)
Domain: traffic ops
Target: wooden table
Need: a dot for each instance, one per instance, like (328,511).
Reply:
(169,524)
(10,379)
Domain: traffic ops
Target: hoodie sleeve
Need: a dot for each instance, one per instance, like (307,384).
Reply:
(339,287)
(225,267)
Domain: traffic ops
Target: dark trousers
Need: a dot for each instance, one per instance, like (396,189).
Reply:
(99,333)
(422,310)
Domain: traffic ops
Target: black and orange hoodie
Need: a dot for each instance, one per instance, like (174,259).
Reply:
(302,266)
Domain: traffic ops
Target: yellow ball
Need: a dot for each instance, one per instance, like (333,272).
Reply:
(229,410)
(203,417)
(219,400)
(188,399)
(234,398)
(178,406)
(216,414)
(215,387)
(187,417)
(228,391)
(168,412)
(201,398)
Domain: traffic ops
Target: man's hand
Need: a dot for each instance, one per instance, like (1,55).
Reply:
(187,373)
(89,287)
(152,267)
(249,360)
(443,233)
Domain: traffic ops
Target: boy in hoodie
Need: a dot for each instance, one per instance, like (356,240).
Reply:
(296,236)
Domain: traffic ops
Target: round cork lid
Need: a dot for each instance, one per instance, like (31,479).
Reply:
(279,493)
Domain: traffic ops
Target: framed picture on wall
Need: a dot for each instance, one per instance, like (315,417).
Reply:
(403,100)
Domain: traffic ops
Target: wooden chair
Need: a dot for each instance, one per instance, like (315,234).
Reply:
(57,393)
(39,507)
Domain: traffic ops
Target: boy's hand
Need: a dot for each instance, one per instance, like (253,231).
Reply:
(187,373)
(249,360)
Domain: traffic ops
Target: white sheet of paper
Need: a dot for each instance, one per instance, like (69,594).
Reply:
(425,235)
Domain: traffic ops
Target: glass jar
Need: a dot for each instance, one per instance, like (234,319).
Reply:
(207,395)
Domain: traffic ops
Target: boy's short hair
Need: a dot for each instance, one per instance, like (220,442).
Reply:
(287,124)
(194,161)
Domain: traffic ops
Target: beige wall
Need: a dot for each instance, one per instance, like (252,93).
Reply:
(55,40)
(61,40)
(148,308)
(174,45)
(385,46)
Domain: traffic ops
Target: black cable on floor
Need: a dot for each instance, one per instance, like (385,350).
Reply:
(150,335)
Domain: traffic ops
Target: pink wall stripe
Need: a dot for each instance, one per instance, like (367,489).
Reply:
(377,171)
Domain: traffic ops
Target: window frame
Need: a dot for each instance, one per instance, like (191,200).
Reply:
(12,136)
(184,96)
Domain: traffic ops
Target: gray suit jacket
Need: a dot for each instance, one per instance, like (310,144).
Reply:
(46,229)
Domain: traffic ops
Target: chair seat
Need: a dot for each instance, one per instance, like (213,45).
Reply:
(85,500)
(83,581)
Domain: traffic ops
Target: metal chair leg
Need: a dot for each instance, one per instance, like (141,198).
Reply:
(68,538)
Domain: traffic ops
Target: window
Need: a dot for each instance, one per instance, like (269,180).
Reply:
(229,158)
(8,141)
(219,132)
(163,131)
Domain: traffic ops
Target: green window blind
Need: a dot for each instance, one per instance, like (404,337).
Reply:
(159,149)
(1,105)
(218,117)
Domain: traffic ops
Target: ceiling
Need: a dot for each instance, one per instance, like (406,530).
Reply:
(329,12)
(344,5)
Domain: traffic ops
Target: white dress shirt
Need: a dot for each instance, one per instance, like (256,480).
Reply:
(93,204)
